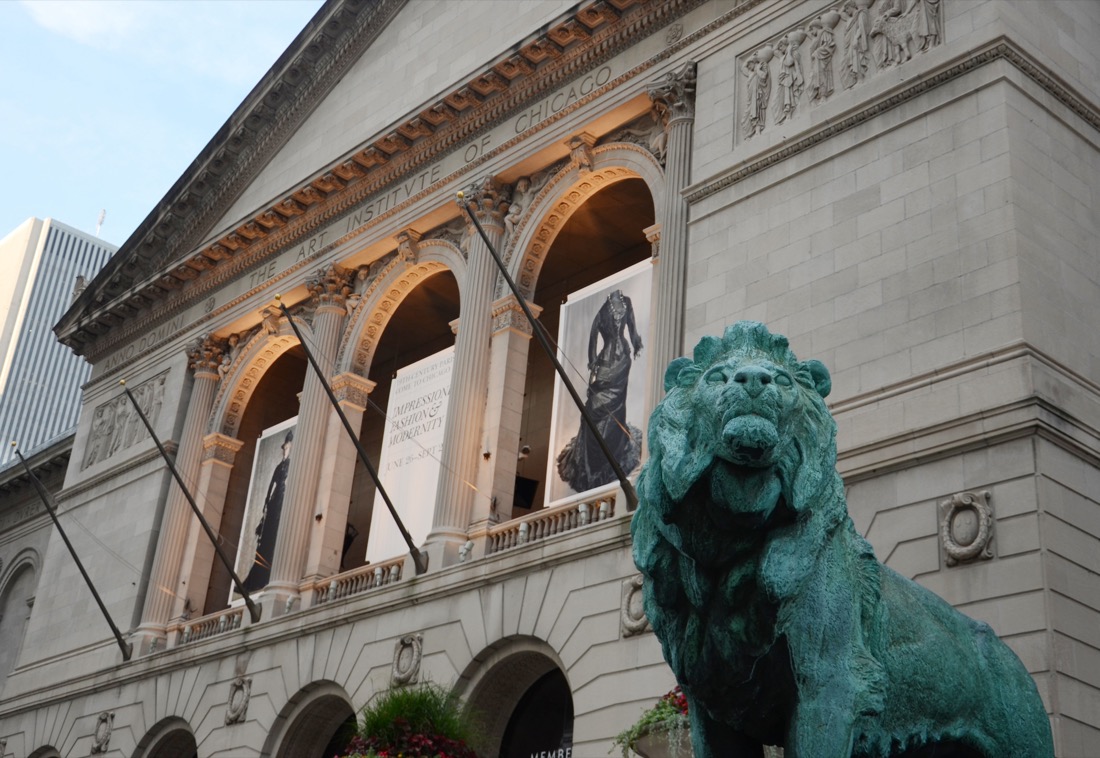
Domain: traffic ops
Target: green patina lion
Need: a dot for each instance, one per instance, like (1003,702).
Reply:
(773,612)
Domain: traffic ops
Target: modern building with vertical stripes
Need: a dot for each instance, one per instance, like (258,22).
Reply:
(43,267)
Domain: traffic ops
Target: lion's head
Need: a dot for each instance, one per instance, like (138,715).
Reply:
(746,414)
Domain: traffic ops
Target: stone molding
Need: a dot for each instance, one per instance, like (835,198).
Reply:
(1000,49)
(265,347)
(966,527)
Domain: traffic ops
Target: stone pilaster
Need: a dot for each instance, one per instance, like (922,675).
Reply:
(674,99)
(462,452)
(511,336)
(164,580)
(326,542)
(296,522)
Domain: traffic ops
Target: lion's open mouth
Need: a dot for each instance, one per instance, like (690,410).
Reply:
(750,441)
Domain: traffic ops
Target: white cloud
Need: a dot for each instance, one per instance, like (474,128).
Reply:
(105,24)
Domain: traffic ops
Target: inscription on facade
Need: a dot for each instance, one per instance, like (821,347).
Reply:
(561,99)
(145,343)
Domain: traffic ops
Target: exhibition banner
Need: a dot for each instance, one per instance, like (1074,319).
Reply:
(600,346)
(264,508)
(411,447)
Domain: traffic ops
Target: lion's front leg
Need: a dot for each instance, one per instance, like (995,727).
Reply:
(712,739)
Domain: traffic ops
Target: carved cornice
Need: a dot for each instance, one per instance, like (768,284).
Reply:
(999,50)
(581,41)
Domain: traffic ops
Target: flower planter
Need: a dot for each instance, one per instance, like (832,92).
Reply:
(659,744)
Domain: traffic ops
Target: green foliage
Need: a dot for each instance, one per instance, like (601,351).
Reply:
(425,720)
(669,715)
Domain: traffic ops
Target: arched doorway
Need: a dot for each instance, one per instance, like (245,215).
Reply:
(171,738)
(601,238)
(318,722)
(520,694)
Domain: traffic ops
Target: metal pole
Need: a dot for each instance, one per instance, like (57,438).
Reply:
(418,559)
(253,610)
(537,329)
(51,507)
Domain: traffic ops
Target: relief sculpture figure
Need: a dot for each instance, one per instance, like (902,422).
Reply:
(613,343)
(758,90)
(821,55)
(790,77)
(778,621)
(857,41)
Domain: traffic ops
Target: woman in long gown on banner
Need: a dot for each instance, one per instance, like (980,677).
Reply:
(581,463)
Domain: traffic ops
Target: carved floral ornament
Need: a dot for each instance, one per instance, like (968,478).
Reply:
(966,527)
(848,43)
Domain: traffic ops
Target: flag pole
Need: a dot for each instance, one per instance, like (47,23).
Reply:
(544,342)
(419,560)
(253,609)
(51,508)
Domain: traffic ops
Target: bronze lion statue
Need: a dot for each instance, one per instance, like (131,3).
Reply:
(777,619)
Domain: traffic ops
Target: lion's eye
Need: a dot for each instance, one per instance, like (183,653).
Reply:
(783,380)
(716,376)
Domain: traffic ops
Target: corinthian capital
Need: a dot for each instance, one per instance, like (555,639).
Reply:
(331,286)
(205,354)
(674,95)
(490,200)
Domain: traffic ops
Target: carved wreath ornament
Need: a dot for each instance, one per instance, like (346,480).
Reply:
(966,527)
(406,659)
(240,691)
(102,737)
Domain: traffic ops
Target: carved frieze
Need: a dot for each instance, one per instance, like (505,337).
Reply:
(101,739)
(647,132)
(632,619)
(407,655)
(116,425)
(966,527)
(850,42)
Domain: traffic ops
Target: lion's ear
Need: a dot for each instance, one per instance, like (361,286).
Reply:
(823,383)
(681,373)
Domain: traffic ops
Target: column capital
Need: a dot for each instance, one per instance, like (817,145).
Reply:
(220,447)
(490,199)
(330,287)
(507,315)
(674,94)
(205,354)
(351,388)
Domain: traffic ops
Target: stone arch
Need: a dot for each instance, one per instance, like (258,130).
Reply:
(18,587)
(495,680)
(244,374)
(383,296)
(169,738)
(46,751)
(525,251)
(308,721)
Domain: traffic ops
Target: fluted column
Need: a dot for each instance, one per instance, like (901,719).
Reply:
(164,585)
(674,99)
(469,382)
(299,502)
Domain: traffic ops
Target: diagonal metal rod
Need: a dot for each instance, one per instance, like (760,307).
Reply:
(51,508)
(418,559)
(536,328)
(253,610)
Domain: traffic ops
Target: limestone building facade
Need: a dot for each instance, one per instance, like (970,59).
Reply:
(905,188)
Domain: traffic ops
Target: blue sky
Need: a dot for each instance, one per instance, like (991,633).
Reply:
(104,103)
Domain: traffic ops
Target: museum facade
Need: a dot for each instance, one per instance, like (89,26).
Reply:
(905,188)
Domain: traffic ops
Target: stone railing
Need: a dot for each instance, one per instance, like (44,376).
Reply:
(550,521)
(212,625)
(358,580)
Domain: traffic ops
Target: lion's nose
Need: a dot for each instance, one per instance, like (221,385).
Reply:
(754,378)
